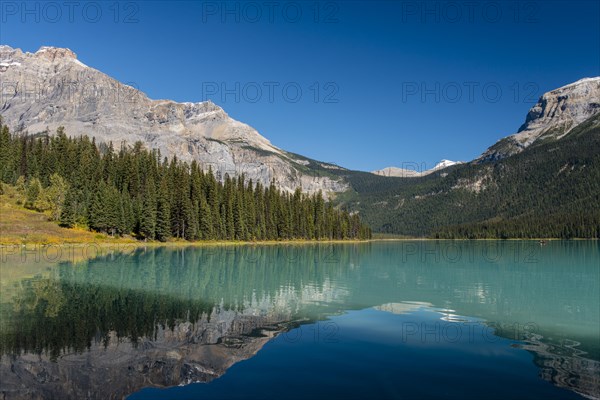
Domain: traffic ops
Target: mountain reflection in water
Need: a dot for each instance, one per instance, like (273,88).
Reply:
(112,325)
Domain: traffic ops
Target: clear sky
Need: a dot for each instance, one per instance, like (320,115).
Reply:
(362,84)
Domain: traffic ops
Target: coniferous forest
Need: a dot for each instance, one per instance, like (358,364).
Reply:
(132,191)
(550,190)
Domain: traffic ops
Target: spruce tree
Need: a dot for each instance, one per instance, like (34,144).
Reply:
(163,212)
(68,213)
(206,221)
(148,213)
(97,209)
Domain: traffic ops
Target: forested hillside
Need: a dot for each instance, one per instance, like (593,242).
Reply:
(551,189)
(131,191)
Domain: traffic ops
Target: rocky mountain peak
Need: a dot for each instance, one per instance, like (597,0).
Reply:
(52,53)
(555,114)
(567,106)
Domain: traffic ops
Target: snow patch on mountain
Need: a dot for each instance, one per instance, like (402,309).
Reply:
(413,173)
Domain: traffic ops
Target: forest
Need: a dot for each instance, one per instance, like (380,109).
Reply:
(133,191)
(550,190)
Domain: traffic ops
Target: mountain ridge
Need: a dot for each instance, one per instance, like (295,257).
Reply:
(556,113)
(51,88)
(203,132)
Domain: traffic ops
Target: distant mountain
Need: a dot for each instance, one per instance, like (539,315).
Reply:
(541,182)
(51,88)
(411,173)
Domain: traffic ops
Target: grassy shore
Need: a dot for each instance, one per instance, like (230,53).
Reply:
(21,226)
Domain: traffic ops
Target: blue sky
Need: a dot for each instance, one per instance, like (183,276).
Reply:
(361,84)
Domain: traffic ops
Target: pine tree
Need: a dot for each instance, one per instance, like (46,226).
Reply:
(127,220)
(190,219)
(113,210)
(97,210)
(6,155)
(239,221)
(148,213)
(163,212)
(68,213)
(206,221)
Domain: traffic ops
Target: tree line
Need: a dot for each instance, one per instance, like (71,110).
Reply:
(133,192)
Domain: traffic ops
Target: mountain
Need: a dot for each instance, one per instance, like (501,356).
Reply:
(411,173)
(52,88)
(554,116)
(543,181)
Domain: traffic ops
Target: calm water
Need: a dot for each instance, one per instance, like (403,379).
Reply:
(374,320)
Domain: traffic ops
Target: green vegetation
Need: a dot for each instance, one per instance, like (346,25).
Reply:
(133,192)
(19,225)
(551,189)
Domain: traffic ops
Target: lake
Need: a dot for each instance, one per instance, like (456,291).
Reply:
(383,319)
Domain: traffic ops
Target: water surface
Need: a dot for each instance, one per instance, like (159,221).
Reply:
(381,319)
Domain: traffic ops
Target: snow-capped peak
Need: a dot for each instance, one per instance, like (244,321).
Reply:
(410,173)
(580,82)
(445,164)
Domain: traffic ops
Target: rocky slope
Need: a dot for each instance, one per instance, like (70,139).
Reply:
(50,88)
(554,116)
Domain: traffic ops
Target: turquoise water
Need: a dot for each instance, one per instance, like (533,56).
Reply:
(382,320)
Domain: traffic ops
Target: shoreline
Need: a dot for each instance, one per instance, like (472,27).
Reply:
(32,256)
(201,243)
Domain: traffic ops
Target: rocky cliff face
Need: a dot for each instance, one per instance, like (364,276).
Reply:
(553,117)
(50,88)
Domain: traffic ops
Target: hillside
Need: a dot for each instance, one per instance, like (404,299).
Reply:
(21,226)
(551,189)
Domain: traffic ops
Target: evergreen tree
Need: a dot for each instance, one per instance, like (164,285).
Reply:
(148,213)
(97,209)
(206,221)
(163,214)
(127,220)
(68,213)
